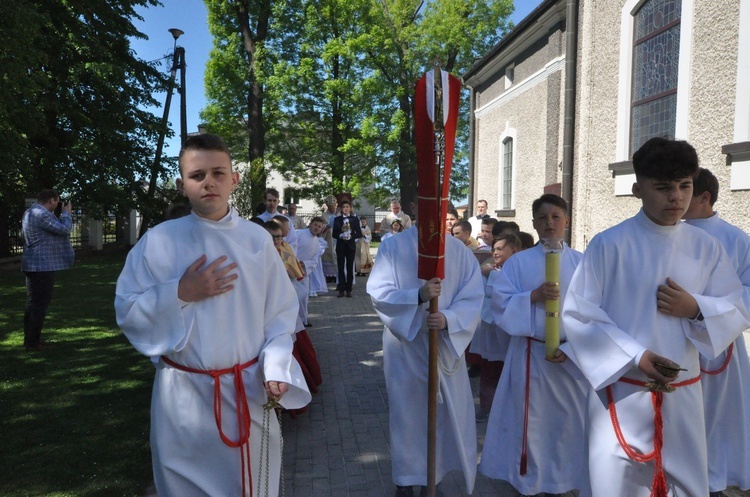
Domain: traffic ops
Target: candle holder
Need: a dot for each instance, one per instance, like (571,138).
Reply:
(553,247)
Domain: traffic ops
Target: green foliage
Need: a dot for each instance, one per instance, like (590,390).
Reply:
(71,103)
(335,79)
(76,415)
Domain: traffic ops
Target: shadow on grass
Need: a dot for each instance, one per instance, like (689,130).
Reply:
(75,417)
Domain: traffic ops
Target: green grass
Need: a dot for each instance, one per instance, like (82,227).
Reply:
(74,418)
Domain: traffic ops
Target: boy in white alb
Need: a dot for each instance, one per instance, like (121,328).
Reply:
(650,296)
(208,295)
(726,379)
(536,424)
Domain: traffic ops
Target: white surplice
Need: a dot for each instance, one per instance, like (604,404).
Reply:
(489,340)
(255,319)
(726,395)
(394,288)
(556,436)
(309,251)
(610,317)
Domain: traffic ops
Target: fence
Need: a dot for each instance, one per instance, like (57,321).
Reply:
(84,233)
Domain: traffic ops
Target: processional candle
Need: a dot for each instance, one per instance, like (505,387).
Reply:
(552,249)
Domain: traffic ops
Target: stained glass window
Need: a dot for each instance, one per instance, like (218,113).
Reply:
(507,172)
(656,53)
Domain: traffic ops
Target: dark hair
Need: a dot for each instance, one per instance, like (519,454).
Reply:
(344,202)
(175,211)
(454,212)
(272,225)
(318,219)
(260,208)
(464,225)
(257,220)
(527,239)
(490,220)
(502,226)
(273,192)
(509,239)
(706,182)
(664,159)
(549,198)
(205,141)
(47,195)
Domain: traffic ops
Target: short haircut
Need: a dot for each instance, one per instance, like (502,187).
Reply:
(271,191)
(706,182)
(257,220)
(317,219)
(490,220)
(272,225)
(344,202)
(549,198)
(527,239)
(47,195)
(204,141)
(510,240)
(482,200)
(260,208)
(454,212)
(464,225)
(501,226)
(664,159)
(396,201)
(280,219)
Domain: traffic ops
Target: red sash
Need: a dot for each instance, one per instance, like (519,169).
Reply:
(243,411)
(659,483)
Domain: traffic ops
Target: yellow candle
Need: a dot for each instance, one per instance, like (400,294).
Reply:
(552,307)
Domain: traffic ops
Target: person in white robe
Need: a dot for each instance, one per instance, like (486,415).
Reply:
(726,379)
(490,341)
(310,249)
(395,291)
(209,293)
(330,267)
(651,294)
(363,259)
(272,203)
(536,428)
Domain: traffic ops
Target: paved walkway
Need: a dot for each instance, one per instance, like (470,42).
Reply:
(340,447)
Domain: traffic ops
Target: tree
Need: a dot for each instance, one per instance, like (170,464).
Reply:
(234,83)
(70,104)
(404,41)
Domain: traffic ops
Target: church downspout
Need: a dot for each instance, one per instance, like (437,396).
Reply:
(571,61)
(472,148)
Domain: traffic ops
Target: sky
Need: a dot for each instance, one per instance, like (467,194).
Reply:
(190,16)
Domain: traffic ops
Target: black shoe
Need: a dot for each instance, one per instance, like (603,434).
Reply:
(404,491)
(348,295)
(308,325)
(717,494)
(341,294)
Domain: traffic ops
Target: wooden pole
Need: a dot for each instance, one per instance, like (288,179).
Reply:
(432,391)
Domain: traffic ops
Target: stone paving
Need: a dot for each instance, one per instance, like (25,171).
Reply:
(340,447)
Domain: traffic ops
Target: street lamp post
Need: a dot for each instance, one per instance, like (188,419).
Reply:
(178,62)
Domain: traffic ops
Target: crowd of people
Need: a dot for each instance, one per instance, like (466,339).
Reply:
(647,394)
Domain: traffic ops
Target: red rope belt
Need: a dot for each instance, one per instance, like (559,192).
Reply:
(524,443)
(243,412)
(659,483)
(723,366)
